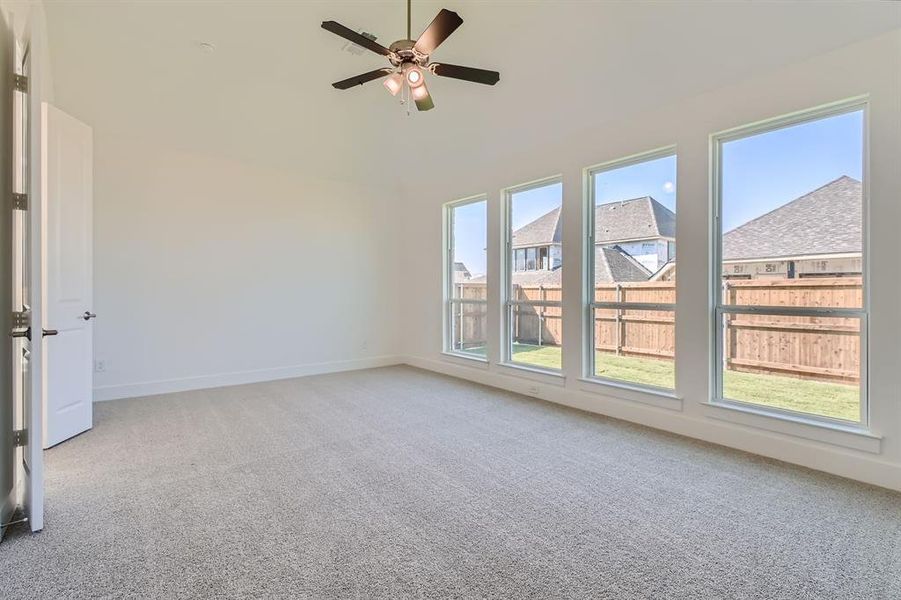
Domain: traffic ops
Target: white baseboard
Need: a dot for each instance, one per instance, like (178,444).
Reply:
(168,386)
(841,461)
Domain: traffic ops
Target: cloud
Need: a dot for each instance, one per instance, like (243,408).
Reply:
(669,187)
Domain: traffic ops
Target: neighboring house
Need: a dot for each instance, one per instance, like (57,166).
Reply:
(634,238)
(642,228)
(614,265)
(461,273)
(537,246)
(817,235)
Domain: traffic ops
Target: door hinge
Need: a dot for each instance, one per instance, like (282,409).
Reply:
(21,319)
(20,82)
(20,201)
(20,438)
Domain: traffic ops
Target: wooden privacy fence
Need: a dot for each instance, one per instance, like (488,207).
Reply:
(811,347)
(649,333)
(470,325)
(542,325)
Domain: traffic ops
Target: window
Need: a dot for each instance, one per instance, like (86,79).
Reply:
(542,259)
(466,304)
(533,322)
(791,319)
(520,260)
(631,305)
(530,259)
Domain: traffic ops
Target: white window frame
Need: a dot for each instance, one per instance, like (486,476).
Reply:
(449,303)
(507,288)
(588,291)
(720,310)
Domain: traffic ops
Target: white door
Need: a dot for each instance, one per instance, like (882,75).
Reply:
(10,299)
(27,301)
(68,196)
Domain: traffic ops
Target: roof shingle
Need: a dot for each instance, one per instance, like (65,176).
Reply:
(546,229)
(638,218)
(612,265)
(827,220)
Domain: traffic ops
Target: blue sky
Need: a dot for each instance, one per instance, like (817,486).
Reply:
(655,178)
(765,171)
(470,228)
(528,205)
(760,173)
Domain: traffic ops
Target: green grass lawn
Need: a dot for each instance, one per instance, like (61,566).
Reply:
(836,400)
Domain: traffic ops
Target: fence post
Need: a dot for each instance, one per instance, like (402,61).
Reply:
(596,321)
(731,350)
(542,296)
(618,322)
(515,313)
(461,324)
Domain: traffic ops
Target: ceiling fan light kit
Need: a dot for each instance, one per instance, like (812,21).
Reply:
(410,59)
(394,83)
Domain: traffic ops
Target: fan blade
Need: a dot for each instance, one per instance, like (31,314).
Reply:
(356,38)
(348,83)
(444,24)
(422,97)
(465,73)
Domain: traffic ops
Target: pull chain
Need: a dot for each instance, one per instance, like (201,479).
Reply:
(407,98)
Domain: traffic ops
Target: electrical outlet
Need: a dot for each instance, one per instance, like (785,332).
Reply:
(364,345)
(99,366)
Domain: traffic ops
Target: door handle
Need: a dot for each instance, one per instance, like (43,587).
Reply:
(88,315)
(46,332)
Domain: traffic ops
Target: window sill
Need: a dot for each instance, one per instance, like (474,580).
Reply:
(534,373)
(465,359)
(848,436)
(634,393)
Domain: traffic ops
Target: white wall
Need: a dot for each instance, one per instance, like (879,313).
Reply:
(873,67)
(212,272)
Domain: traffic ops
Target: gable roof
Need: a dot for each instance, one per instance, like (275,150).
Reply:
(546,229)
(613,265)
(827,220)
(633,219)
(461,273)
(638,218)
(665,273)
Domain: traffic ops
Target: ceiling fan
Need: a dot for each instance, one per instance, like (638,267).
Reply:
(410,59)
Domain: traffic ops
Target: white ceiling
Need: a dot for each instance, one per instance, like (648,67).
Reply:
(264,95)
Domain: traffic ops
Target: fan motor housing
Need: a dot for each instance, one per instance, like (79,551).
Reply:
(403,52)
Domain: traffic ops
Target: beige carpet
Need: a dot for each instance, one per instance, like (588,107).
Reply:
(398,483)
